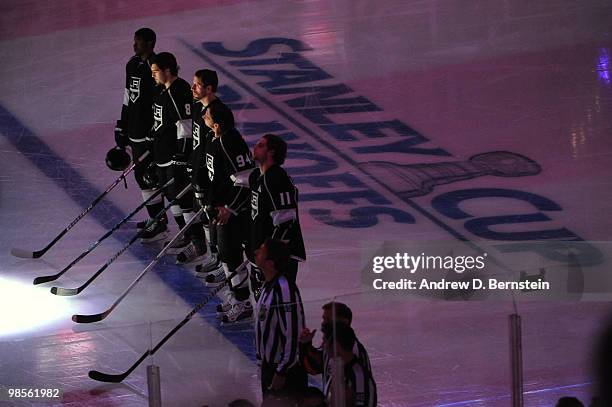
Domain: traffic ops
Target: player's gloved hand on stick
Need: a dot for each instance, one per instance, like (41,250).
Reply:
(121,137)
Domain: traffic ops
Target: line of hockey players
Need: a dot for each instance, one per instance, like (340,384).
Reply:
(192,136)
(251,211)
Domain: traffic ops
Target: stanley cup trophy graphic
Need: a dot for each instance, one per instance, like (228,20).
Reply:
(413,180)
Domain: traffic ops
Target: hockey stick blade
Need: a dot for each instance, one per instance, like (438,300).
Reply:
(64,291)
(98,317)
(38,253)
(108,378)
(78,290)
(45,279)
(87,319)
(25,254)
(103,377)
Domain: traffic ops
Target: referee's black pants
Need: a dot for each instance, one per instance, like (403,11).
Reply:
(296,381)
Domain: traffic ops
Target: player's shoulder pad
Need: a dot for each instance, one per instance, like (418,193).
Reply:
(133,60)
(278,170)
(254,175)
(182,84)
(233,136)
(197,109)
(277,175)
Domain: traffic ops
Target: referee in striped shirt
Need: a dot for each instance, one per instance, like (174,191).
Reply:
(359,386)
(280,319)
(317,360)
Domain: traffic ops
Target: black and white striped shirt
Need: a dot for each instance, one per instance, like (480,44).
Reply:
(358,350)
(280,319)
(360,383)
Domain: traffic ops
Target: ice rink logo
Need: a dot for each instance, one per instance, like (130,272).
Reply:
(134,88)
(413,180)
(329,127)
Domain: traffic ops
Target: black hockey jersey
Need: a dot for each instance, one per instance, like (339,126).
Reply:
(227,156)
(171,132)
(274,210)
(140,90)
(201,136)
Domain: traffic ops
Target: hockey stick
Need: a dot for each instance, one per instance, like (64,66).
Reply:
(116,378)
(74,291)
(45,279)
(85,319)
(25,254)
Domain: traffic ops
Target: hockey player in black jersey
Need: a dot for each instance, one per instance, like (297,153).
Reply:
(274,201)
(204,88)
(227,156)
(171,135)
(137,116)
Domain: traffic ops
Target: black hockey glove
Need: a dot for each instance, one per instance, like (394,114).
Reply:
(121,138)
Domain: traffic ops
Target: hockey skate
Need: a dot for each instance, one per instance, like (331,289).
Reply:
(208,266)
(154,232)
(227,301)
(241,312)
(144,223)
(178,246)
(148,222)
(192,253)
(215,278)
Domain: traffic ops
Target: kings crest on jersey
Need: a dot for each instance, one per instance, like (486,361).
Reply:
(158,116)
(210,166)
(134,88)
(254,203)
(196,135)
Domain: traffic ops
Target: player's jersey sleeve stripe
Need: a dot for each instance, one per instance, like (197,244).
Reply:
(282,216)
(183,129)
(126,97)
(241,179)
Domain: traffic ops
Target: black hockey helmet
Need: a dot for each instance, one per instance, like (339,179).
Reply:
(117,159)
(149,176)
